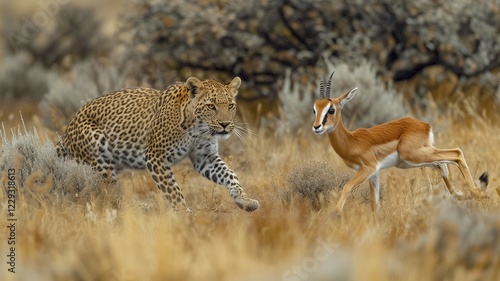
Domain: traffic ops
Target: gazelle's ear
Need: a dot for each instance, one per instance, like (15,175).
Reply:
(193,84)
(347,97)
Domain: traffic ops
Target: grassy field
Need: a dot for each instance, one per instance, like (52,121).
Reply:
(420,233)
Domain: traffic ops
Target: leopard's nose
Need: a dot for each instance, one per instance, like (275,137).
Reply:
(224,124)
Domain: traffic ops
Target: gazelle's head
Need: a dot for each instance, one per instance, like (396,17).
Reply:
(327,111)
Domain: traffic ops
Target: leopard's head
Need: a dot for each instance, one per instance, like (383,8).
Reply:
(214,104)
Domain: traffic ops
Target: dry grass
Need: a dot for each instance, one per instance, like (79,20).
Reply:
(421,233)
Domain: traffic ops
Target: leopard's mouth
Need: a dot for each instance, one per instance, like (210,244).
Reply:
(220,133)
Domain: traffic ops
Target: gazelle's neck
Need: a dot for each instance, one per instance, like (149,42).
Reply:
(340,138)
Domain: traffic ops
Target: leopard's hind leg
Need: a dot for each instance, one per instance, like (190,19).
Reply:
(91,145)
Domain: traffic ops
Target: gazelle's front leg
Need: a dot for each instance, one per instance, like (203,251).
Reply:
(362,174)
(374,191)
(213,167)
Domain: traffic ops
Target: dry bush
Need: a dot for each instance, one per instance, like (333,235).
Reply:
(460,244)
(42,175)
(315,181)
(459,238)
(21,78)
(296,103)
(88,80)
(449,241)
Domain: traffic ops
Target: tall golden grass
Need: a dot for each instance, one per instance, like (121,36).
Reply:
(420,233)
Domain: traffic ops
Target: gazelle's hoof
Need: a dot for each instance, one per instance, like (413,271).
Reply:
(480,195)
(460,196)
(247,204)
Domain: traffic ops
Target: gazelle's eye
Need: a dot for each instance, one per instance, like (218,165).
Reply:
(314,111)
(331,111)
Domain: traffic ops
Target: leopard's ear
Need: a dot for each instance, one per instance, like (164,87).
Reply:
(193,85)
(235,84)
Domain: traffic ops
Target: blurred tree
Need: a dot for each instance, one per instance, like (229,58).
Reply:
(72,35)
(259,39)
(36,49)
(252,39)
(22,79)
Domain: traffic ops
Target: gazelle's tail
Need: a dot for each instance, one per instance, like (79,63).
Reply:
(483,180)
(478,193)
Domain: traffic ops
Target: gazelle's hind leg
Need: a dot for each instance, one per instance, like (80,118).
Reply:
(444,174)
(456,155)
(429,155)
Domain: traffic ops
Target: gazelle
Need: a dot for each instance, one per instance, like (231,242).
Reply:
(404,143)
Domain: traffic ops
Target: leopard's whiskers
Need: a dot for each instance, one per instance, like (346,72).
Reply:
(243,133)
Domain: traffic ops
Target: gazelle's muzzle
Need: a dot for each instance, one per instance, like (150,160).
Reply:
(320,120)
(318,129)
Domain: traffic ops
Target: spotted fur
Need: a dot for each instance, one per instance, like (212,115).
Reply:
(144,128)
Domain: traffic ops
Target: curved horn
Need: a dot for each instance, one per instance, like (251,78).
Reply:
(329,85)
(321,89)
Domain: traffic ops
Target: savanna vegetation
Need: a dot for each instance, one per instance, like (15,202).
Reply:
(434,60)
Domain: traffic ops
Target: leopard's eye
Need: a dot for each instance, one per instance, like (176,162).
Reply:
(211,106)
(232,105)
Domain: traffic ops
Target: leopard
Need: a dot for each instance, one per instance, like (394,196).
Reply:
(145,128)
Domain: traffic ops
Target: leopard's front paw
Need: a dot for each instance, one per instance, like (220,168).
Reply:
(247,204)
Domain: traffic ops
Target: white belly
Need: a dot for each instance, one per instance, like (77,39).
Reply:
(390,160)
